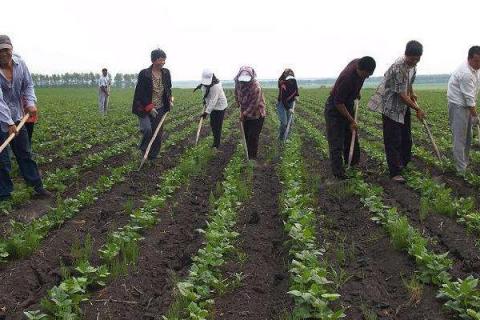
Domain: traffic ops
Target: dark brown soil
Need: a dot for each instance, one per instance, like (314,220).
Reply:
(165,254)
(370,272)
(445,233)
(24,282)
(36,208)
(262,294)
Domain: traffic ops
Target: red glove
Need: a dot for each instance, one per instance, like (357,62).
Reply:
(148,108)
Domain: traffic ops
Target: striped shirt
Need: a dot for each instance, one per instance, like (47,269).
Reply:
(14,92)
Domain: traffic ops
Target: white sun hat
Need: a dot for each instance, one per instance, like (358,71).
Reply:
(244,77)
(207,76)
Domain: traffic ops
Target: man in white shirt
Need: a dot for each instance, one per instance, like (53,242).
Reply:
(103,91)
(462,93)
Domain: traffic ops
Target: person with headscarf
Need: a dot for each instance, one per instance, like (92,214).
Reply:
(250,99)
(152,99)
(214,102)
(287,93)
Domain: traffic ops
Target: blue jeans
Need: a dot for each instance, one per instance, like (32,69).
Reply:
(28,168)
(284,115)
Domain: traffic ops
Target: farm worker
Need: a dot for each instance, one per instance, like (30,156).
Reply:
(394,98)
(17,87)
(152,99)
(462,93)
(103,91)
(287,95)
(215,103)
(250,99)
(339,113)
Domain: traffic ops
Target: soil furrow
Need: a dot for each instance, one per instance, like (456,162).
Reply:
(262,293)
(23,282)
(370,273)
(165,254)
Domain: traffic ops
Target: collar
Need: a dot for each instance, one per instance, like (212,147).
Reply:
(471,69)
(16,59)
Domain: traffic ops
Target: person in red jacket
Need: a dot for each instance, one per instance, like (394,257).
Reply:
(152,99)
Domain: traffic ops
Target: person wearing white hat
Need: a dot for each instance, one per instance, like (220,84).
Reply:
(214,102)
(287,95)
(250,99)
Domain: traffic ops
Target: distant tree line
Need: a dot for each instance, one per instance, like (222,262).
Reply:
(84,80)
(126,80)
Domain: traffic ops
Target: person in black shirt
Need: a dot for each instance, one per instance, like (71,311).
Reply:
(339,113)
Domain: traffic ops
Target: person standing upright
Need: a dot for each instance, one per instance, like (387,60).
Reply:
(339,113)
(394,98)
(17,94)
(152,99)
(462,93)
(215,103)
(250,99)
(103,91)
(287,95)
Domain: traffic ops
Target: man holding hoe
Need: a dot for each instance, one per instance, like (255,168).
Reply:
(17,88)
(340,114)
(394,98)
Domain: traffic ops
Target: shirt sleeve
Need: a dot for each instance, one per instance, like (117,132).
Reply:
(212,98)
(467,88)
(28,88)
(5,115)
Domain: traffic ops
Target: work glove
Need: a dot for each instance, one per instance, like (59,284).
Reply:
(204,115)
(154,113)
(291,110)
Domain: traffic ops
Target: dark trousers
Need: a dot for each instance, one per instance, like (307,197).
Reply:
(397,138)
(252,135)
(339,138)
(20,146)
(29,126)
(216,122)
(148,124)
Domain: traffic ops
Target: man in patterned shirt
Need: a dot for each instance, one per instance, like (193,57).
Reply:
(394,98)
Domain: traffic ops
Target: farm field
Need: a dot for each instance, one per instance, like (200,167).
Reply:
(202,234)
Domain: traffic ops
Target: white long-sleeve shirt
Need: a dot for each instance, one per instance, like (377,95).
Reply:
(216,99)
(463,86)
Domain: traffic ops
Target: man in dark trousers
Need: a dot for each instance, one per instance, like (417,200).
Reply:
(394,98)
(339,113)
(16,92)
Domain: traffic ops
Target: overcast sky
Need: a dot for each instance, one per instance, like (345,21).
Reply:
(315,38)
